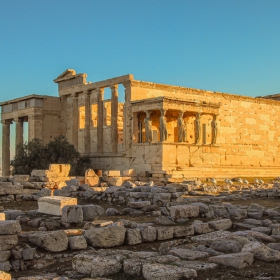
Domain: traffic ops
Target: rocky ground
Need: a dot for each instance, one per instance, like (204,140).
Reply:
(141,231)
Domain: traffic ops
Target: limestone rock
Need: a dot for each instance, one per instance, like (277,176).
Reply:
(164,233)
(4,255)
(208,238)
(54,241)
(8,241)
(9,227)
(5,266)
(165,221)
(223,224)
(148,233)
(203,208)
(200,227)
(83,263)
(90,211)
(139,204)
(238,260)
(170,272)
(184,211)
(262,252)
(72,214)
(132,267)
(12,214)
(106,237)
(111,212)
(183,231)
(226,246)
(53,204)
(105,266)
(77,242)
(187,254)
(133,236)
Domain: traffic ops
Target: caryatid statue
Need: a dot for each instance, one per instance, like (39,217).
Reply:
(197,128)
(182,134)
(148,128)
(214,127)
(163,127)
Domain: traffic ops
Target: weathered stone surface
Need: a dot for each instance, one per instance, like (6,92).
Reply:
(219,211)
(183,231)
(223,224)
(54,241)
(203,208)
(105,266)
(91,178)
(186,254)
(200,227)
(133,236)
(5,276)
(77,242)
(106,237)
(238,260)
(170,272)
(4,255)
(53,204)
(2,217)
(262,252)
(8,241)
(72,214)
(164,221)
(148,233)
(90,211)
(5,266)
(28,253)
(164,233)
(12,214)
(264,230)
(274,246)
(139,204)
(83,263)
(226,246)
(132,267)
(111,212)
(9,227)
(9,188)
(208,238)
(184,211)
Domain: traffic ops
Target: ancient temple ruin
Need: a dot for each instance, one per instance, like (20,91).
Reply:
(168,132)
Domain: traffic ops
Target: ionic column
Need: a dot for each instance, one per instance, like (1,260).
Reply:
(114,118)
(87,123)
(19,131)
(75,120)
(5,148)
(100,120)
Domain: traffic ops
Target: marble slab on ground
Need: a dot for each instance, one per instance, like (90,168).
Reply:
(52,205)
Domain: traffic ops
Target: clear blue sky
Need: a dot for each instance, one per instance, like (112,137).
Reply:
(220,45)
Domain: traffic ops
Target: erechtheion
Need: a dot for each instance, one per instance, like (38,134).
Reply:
(161,130)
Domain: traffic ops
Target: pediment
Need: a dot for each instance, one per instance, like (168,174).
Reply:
(68,74)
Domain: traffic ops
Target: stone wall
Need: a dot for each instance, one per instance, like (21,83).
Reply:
(247,130)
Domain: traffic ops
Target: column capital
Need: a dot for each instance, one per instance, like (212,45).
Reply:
(87,92)
(114,87)
(6,121)
(74,95)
